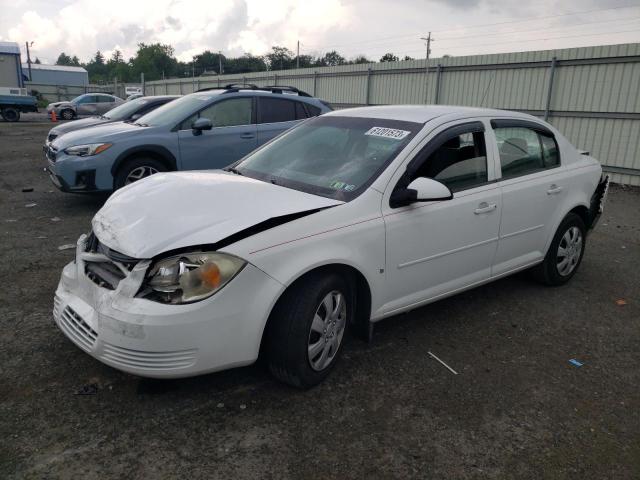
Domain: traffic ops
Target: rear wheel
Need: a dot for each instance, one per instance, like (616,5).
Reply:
(67,114)
(10,114)
(307,329)
(137,169)
(565,252)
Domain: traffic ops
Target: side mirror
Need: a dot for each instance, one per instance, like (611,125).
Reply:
(201,124)
(430,190)
(422,189)
(135,117)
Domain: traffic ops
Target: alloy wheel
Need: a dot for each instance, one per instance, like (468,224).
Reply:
(569,251)
(327,330)
(138,173)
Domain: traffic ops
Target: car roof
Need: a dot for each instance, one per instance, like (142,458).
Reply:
(256,92)
(424,113)
(158,97)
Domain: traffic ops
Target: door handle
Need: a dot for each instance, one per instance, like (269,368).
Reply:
(247,135)
(554,189)
(485,207)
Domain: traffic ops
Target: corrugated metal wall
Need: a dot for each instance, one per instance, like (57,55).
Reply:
(594,98)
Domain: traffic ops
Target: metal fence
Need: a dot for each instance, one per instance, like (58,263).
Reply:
(59,93)
(591,94)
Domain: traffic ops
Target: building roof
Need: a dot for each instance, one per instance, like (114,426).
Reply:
(58,68)
(9,47)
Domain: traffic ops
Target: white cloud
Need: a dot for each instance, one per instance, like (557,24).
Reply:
(372,27)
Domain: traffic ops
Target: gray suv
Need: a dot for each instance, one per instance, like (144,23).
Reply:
(208,129)
(84,105)
(125,112)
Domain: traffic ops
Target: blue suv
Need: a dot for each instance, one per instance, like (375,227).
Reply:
(209,129)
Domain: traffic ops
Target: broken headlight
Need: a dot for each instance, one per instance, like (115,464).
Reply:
(190,277)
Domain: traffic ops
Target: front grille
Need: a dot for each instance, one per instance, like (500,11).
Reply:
(57,303)
(149,360)
(52,137)
(77,329)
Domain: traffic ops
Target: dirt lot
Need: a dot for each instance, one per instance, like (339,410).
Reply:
(517,409)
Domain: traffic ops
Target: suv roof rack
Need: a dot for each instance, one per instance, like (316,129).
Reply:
(236,87)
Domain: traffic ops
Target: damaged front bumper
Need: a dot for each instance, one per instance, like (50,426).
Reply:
(598,200)
(151,339)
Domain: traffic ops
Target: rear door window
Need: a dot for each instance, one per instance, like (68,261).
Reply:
(274,110)
(524,151)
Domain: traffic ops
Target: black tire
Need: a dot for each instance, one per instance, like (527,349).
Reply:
(126,169)
(548,271)
(10,114)
(67,114)
(289,331)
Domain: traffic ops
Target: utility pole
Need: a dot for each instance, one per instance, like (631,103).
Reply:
(298,56)
(428,41)
(193,73)
(29,59)
(219,62)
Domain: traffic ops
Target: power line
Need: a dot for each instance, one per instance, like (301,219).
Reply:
(325,47)
(523,41)
(624,22)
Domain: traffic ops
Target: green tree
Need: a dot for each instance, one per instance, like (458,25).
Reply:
(389,57)
(360,59)
(64,59)
(97,69)
(331,59)
(156,61)
(209,61)
(280,58)
(407,57)
(118,68)
(245,64)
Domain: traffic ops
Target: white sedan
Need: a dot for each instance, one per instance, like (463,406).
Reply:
(347,219)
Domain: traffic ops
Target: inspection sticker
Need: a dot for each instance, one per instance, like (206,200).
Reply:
(387,133)
(342,186)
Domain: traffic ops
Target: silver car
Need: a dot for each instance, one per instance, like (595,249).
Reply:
(85,105)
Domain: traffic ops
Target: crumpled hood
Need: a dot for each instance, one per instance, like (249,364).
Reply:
(78,124)
(57,104)
(181,209)
(99,133)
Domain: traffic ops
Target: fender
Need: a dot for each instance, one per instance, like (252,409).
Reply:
(159,150)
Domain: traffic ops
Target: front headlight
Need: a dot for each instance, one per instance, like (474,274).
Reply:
(87,150)
(190,277)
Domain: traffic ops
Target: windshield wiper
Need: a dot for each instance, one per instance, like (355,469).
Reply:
(234,170)
(141,124)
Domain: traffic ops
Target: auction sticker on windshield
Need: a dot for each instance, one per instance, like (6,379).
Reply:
(384,132)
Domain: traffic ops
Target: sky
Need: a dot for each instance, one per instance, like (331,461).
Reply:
(352,27)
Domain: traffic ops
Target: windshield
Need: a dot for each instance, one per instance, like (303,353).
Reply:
(125,110)
(336,157)
(77,100)
(174,112)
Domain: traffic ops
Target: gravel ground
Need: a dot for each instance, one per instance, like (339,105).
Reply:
(517,409)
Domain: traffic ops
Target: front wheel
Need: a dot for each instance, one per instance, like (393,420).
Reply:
(137,169)
(67,114)
(565,252)
(10,114)
(307,329)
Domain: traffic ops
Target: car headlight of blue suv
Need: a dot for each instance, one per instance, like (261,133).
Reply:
(87,150)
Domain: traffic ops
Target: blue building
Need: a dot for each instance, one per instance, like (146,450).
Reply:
(57,75)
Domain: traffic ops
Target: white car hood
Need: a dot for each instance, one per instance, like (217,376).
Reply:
(173,210)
